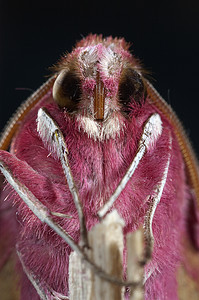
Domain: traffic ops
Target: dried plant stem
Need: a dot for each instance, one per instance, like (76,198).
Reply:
(106,250)
(135,270)
(80,279)
(106,243)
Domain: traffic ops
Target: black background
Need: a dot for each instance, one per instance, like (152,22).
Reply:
(164,35)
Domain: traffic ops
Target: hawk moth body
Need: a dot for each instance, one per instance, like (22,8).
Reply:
(101,102)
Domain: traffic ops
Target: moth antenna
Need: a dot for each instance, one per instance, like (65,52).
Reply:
(53,138)
(188,154)
(152,130)
(21,112)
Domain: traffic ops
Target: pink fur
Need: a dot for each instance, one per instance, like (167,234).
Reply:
(98,167)
(8,226)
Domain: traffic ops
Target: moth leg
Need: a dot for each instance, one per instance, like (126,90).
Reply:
(36,206)
(33,280)
(151,131)
(154,200)
(53,139)
(43,290)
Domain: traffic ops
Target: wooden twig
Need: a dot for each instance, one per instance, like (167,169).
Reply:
(135,270)
(106,250)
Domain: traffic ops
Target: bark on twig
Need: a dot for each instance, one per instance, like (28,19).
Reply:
(106,251)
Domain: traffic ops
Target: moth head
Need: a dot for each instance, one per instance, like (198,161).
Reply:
(99,81)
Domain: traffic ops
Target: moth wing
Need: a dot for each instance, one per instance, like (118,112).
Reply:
(188,274)
(8,275)
(8,223)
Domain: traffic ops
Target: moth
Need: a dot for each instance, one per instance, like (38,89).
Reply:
(95,137)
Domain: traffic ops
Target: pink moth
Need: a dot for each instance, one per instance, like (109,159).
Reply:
(101,102)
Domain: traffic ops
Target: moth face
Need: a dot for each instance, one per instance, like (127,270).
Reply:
(98,84)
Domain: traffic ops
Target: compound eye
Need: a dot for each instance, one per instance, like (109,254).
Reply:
(131,88)
(66,89)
